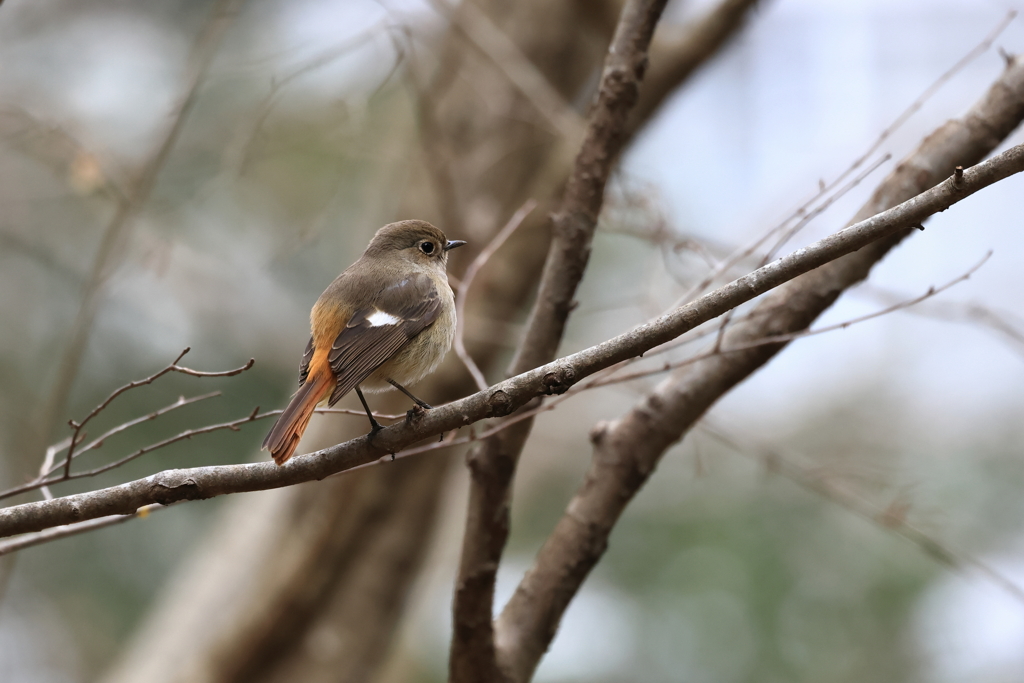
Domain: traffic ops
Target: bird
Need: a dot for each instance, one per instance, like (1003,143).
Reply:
(386,322)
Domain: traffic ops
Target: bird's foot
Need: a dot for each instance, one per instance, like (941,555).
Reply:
(416,412)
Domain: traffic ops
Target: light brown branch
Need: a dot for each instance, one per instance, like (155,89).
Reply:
(233,425)
(78,435)
(776,339)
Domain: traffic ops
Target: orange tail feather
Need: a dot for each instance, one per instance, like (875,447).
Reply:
(285,434)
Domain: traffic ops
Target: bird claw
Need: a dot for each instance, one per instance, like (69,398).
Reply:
(416,412)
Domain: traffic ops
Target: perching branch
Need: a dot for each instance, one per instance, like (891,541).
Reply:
(506,396)
(48,467)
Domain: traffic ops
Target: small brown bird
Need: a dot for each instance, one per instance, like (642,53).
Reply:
(388,320)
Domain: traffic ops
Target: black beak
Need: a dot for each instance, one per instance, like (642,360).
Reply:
(452,244)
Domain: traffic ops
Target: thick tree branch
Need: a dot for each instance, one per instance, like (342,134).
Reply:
(492,463)
(627,450)
(511,394)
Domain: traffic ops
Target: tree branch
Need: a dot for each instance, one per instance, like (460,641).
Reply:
(504,397)
(627,450)
(492,463)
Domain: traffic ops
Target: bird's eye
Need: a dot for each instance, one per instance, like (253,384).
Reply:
(427,247)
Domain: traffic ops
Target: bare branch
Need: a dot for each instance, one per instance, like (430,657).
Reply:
(180,403)
(42,483)
(627,450)
(779,338)
(78,435)
(1001,322)
(805,213)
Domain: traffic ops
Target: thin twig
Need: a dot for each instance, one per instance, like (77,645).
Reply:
(173,367)
(896,523)
(42,483)
(78,435)
(804,212)
(1000,322)
(783,338)
(492,42)
(28,540)
(805,216)
(128,208)
(467,280)
(180,403)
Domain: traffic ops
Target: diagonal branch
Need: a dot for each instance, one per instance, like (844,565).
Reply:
(627,450)
(511,394)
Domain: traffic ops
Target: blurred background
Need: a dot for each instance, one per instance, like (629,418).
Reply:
(194,173)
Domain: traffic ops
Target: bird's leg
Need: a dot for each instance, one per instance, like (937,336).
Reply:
(374,425)
(421,404)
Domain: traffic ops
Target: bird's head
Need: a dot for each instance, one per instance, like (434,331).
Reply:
(417,243)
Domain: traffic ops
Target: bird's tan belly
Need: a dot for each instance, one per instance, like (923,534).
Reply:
(415,360)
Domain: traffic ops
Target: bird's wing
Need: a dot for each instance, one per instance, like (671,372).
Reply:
(304,364)
(377,331)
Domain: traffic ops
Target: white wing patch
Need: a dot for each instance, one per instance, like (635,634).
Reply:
(381,318)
